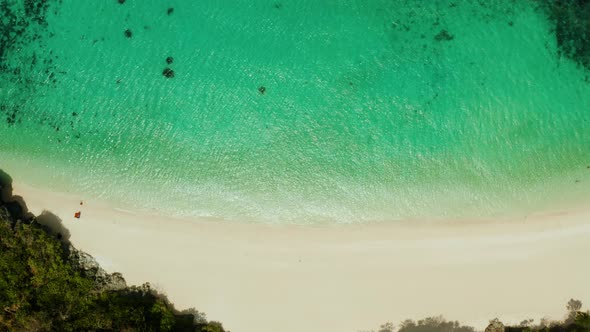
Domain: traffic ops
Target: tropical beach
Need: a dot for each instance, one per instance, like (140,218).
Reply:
(298,165)
(339,278)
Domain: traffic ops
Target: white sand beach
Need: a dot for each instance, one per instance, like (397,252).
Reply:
(264,278)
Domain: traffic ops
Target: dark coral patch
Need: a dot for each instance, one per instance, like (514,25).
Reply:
(443,35)
(170,11)
(262,89)
(572,28)
(35,9)
(11,114)
(169,60)
(14,25)
(128,33)
(24,23)
(168,73)
(121,1)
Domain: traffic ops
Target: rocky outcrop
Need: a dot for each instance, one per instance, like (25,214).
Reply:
(87,263)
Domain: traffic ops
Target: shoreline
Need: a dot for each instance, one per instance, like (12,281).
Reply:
(346,277)
(566,191)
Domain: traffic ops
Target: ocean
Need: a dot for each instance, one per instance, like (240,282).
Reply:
(296,111)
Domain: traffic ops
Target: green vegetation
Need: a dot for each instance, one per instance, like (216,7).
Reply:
(47,285)
(430,324)
(576,321)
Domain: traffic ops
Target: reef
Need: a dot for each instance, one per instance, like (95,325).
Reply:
(23,32)
(17,28)
(571,25)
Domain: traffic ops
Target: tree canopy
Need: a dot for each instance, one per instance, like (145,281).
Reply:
(48,285)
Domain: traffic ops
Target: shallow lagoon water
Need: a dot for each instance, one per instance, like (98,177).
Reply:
(299,111)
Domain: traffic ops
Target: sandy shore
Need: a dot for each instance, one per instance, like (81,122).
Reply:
(258,278)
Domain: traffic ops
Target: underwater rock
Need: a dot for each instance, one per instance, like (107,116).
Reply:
(170,11)
(443,35)
(128,33)
(168,73)
(121,1)
(169,60)
(262,89)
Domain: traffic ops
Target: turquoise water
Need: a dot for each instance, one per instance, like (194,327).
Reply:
(371,111)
